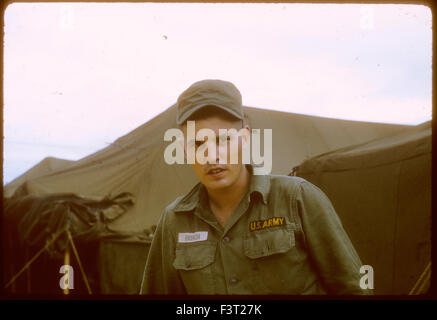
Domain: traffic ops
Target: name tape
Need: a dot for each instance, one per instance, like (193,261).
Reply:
(193,237)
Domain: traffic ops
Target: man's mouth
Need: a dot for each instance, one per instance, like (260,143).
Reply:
(215,171)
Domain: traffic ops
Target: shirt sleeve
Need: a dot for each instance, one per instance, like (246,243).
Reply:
(160,277)
(329,247)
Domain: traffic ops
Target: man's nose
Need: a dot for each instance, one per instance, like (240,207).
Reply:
(210,158)
(222,153)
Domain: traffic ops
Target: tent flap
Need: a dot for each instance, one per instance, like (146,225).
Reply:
(37,218)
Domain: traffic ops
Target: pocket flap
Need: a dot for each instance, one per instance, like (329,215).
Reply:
(194,256)
(264,243)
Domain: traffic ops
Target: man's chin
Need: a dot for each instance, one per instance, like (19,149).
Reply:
(217,185)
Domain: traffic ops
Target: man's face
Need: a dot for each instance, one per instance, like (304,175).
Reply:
(218,176)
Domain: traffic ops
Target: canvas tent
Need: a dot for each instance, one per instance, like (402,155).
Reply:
(134,164)
(33,225)
(45,167)
(382,192)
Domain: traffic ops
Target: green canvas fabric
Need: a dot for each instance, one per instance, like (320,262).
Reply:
(284,238)
(121,265)
(410,143)
(382,193)
(37,218)
(32,223)
(47,166)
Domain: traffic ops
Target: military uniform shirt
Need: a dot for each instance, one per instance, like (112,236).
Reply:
(284,238)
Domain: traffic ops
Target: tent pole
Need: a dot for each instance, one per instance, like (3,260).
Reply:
(76,254)
(15,277)
(423,282)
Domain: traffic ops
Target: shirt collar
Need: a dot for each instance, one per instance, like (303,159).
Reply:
(259,184)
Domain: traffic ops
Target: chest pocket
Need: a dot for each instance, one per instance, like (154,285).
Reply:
(267,242)
(194,255)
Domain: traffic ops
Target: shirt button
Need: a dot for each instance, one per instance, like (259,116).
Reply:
(226,240)
(233,281)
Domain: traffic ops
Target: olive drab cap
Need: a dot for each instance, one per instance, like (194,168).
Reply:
(219,93)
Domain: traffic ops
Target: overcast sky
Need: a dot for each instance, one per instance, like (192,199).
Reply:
(78,76)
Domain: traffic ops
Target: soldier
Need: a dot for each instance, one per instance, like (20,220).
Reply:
(240,233)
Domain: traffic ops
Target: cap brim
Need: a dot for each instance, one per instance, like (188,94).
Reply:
(188,114)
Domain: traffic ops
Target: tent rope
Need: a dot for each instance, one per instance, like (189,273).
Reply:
(420,285)
(76,254)
(27,265)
